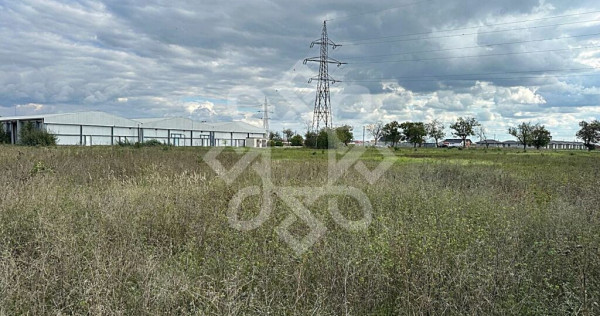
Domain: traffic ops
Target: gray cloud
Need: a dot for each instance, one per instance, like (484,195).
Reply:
(156,58)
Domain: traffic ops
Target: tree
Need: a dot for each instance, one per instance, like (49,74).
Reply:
(310,139)
(464,127)
(308,125)
(413,132)
(275,136)
(589,133)
(344,134)
(288,134)
(391,133)
(435,130)
(524,134)
(4,136)
(296,140)
(540,136)
(482,135)
(325,139)
(376,131)
(31,136)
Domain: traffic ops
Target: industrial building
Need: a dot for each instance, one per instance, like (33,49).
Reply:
(99,128)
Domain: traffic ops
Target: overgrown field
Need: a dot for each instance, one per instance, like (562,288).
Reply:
(146,231)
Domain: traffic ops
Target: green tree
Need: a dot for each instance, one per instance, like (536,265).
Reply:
(344,134)
(288,134)
(413,132)
(31,136)
(523,133)
(541,137)
(391,133)
(296,140)
(4,136)
(589,133)
(326,139)
(310,140)
(435,130)
(464,127)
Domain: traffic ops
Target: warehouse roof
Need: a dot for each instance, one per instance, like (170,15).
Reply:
(105,119)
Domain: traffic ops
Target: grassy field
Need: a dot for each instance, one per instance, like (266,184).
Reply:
(145,231)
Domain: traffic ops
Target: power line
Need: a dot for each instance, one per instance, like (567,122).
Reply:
(500,73)
(484,25)
(470,79)
(472,56)
(467,47)
(377,11)
(463,34)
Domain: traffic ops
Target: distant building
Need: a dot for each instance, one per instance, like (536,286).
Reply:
(554,144)
(491,143)
(557,144)
(99,128)
(511,143)
(456,142)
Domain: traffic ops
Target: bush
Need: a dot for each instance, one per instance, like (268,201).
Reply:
(152,143)
(31,136)
(311,140)
(148,143)
(296,140)
(278,143)
(4,136)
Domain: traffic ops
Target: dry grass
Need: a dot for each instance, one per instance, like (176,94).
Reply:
(144,231)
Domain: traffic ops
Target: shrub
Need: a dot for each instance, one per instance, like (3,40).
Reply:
(296,140)
(4,136)
(310,140)
(152,143)
(31,136)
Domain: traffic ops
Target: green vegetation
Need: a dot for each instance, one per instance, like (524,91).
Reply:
(464,127)
(413,132)
(391,133)
(435,130)
(589,133)
(296,140)
(32,136)
(531,135)
(119,230)
(148,143)
(4,136)
(344,134)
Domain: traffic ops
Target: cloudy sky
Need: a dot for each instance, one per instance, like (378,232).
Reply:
(502,62)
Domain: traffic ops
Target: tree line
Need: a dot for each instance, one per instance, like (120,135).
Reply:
(527,134)
(416,133)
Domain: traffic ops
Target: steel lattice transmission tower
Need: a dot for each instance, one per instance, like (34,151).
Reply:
(322,111)
(265,116)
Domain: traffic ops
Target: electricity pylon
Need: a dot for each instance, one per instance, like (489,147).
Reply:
(265,116)
(322,111)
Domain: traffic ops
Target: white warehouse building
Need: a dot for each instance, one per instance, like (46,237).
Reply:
(99,128)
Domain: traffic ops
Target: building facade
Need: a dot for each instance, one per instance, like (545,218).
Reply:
(99,128)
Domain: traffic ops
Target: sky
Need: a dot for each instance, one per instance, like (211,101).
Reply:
(502,62)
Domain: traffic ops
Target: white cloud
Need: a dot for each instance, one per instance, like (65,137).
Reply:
(35,107)
(142,59)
